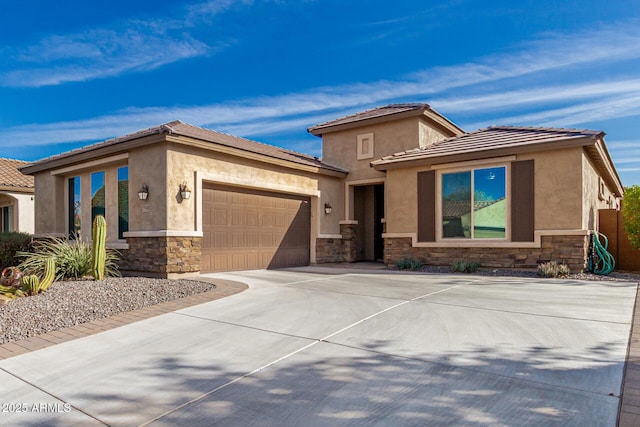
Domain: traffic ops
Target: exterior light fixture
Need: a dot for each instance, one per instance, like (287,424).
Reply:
(144,192)
(185,193)
(327,208)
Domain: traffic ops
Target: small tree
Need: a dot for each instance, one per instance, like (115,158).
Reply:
(631,214)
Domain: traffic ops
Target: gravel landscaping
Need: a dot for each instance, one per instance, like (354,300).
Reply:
(75,302)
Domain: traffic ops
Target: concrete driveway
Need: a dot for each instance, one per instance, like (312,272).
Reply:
(315,346)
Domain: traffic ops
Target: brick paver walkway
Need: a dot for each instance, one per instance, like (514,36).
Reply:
(223,289)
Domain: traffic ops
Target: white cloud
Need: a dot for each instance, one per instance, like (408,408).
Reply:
(129,46)
(538,102)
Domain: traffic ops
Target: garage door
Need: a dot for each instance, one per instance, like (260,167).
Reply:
(246,229)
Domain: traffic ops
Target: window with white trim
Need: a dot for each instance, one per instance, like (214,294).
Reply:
(473,204)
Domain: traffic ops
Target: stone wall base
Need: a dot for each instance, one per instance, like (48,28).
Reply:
(161,256)
(572,250)
(338,250)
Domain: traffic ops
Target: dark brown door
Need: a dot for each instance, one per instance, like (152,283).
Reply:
(245,229)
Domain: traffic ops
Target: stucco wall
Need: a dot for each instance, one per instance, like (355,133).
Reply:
(590,189)
(183,162)
(558,192)
(148,165)
(23,210)
(50,203)
(331,192)
(340,148)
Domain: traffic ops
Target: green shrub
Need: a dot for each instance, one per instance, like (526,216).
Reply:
(464,266)
(72,258)
(631,214)
(553,269)
(409,264)
(10,244)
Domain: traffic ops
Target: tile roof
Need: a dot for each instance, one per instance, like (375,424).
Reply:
(490,139)
(10,176)
(370,114)
(179,128)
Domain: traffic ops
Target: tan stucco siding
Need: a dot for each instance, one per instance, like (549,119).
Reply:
(184,162)
(331,192)
(401,201)
(591,198)
(148,165)
(49,203)
(340,148)
(428,135)
(558,188)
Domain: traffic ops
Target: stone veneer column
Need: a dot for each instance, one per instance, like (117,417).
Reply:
(348,231)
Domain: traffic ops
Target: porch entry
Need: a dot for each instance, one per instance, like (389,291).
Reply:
(368,210)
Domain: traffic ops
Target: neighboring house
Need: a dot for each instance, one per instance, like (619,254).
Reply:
(393,182)
(16,197)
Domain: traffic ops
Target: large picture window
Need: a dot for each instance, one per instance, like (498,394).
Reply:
(123,201)
(474,204)
(75,207)
(98,195)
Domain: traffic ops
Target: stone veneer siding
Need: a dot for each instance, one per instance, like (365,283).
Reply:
(161,256)
(338,250)
(571,250)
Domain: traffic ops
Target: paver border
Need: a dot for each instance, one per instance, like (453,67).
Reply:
(224,288)
(629,410)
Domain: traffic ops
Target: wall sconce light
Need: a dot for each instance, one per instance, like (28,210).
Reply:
(185,193)
(144,192)
(327,208)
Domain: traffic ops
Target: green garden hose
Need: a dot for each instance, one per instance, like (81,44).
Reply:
(600,261)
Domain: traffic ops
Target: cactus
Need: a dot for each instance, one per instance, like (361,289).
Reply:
(98,246)
(31,284)
(49,274)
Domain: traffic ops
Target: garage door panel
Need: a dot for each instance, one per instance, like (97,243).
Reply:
(254,229)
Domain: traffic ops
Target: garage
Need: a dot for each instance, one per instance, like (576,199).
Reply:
(248,229)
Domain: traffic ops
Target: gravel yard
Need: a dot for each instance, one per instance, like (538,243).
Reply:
(75,302)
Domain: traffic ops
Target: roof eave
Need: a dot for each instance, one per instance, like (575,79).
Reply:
(320,130)
(383,165)
(99,151)
(12,189)
(238,152)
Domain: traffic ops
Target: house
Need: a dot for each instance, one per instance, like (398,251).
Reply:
(16,197)
(393,182)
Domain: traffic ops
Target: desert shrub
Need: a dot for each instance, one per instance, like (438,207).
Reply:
(72,258)
(10,244)
(553,269)
(409,264)
(464,266)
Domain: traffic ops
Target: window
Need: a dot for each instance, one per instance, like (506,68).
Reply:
(74,207)
(474,204)
(97,195)
(123,201)
(7,218)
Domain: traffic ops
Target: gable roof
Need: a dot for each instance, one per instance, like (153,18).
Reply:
(385,113)
(508,140)
(178,128)
(12,178)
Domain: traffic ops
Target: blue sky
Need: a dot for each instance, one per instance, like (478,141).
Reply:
(73,73)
